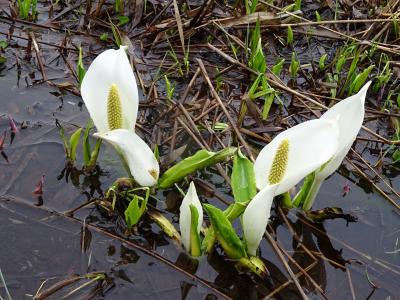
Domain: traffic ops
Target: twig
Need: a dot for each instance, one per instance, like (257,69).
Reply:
(221,104)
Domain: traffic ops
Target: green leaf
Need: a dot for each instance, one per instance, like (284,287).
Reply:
(243,180)
(396,156)
(156,152)
(2,59)
(65,142)
(123,20)
(360,79)
(304,191)
(73,143)
(94,155)
(134,212)
(277,68)
(322,61)
(340,62)
(85,142)
(164,224)
(294,66)
(289,38)
(195,243)
(80,68)
(3,44)
(200,160)
(317,16)
(104,37)
(226,235)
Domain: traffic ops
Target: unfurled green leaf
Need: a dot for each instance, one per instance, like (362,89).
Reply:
(200,160)
(195,242)
(73,143)
(360,79)
(2,59)
(243,180)
(226,235)
(133,212)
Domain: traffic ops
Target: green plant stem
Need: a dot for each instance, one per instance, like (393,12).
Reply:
(287,200)
(312,193)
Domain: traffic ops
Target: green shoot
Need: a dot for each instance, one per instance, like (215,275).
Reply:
(294,66)
(396,27)
(218,81)
(317,16)
(104,37)
(122,20)
(322,61)
(80,68)
(134,211)
(26,6)
(250,8)
(359,80)
(170,88)
(383,77)
(289,38)
(277,68)
(119,6)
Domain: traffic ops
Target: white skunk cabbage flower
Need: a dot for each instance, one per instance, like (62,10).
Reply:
(289,157)
(189,227)
(110,94)
(349,116)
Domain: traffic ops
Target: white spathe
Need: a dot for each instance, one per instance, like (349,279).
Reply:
(255,218)
(139,157)
(110,94)
(185,218)
(349,115)
(311,144)
(111,67)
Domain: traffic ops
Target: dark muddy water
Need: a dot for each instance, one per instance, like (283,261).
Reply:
(37,244)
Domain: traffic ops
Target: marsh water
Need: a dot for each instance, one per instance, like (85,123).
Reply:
(42,244)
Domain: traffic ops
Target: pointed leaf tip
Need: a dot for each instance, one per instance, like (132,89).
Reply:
(226,235)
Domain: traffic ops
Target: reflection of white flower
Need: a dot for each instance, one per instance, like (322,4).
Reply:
(185,217)
(288,158)
(349,115)
(110,94)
